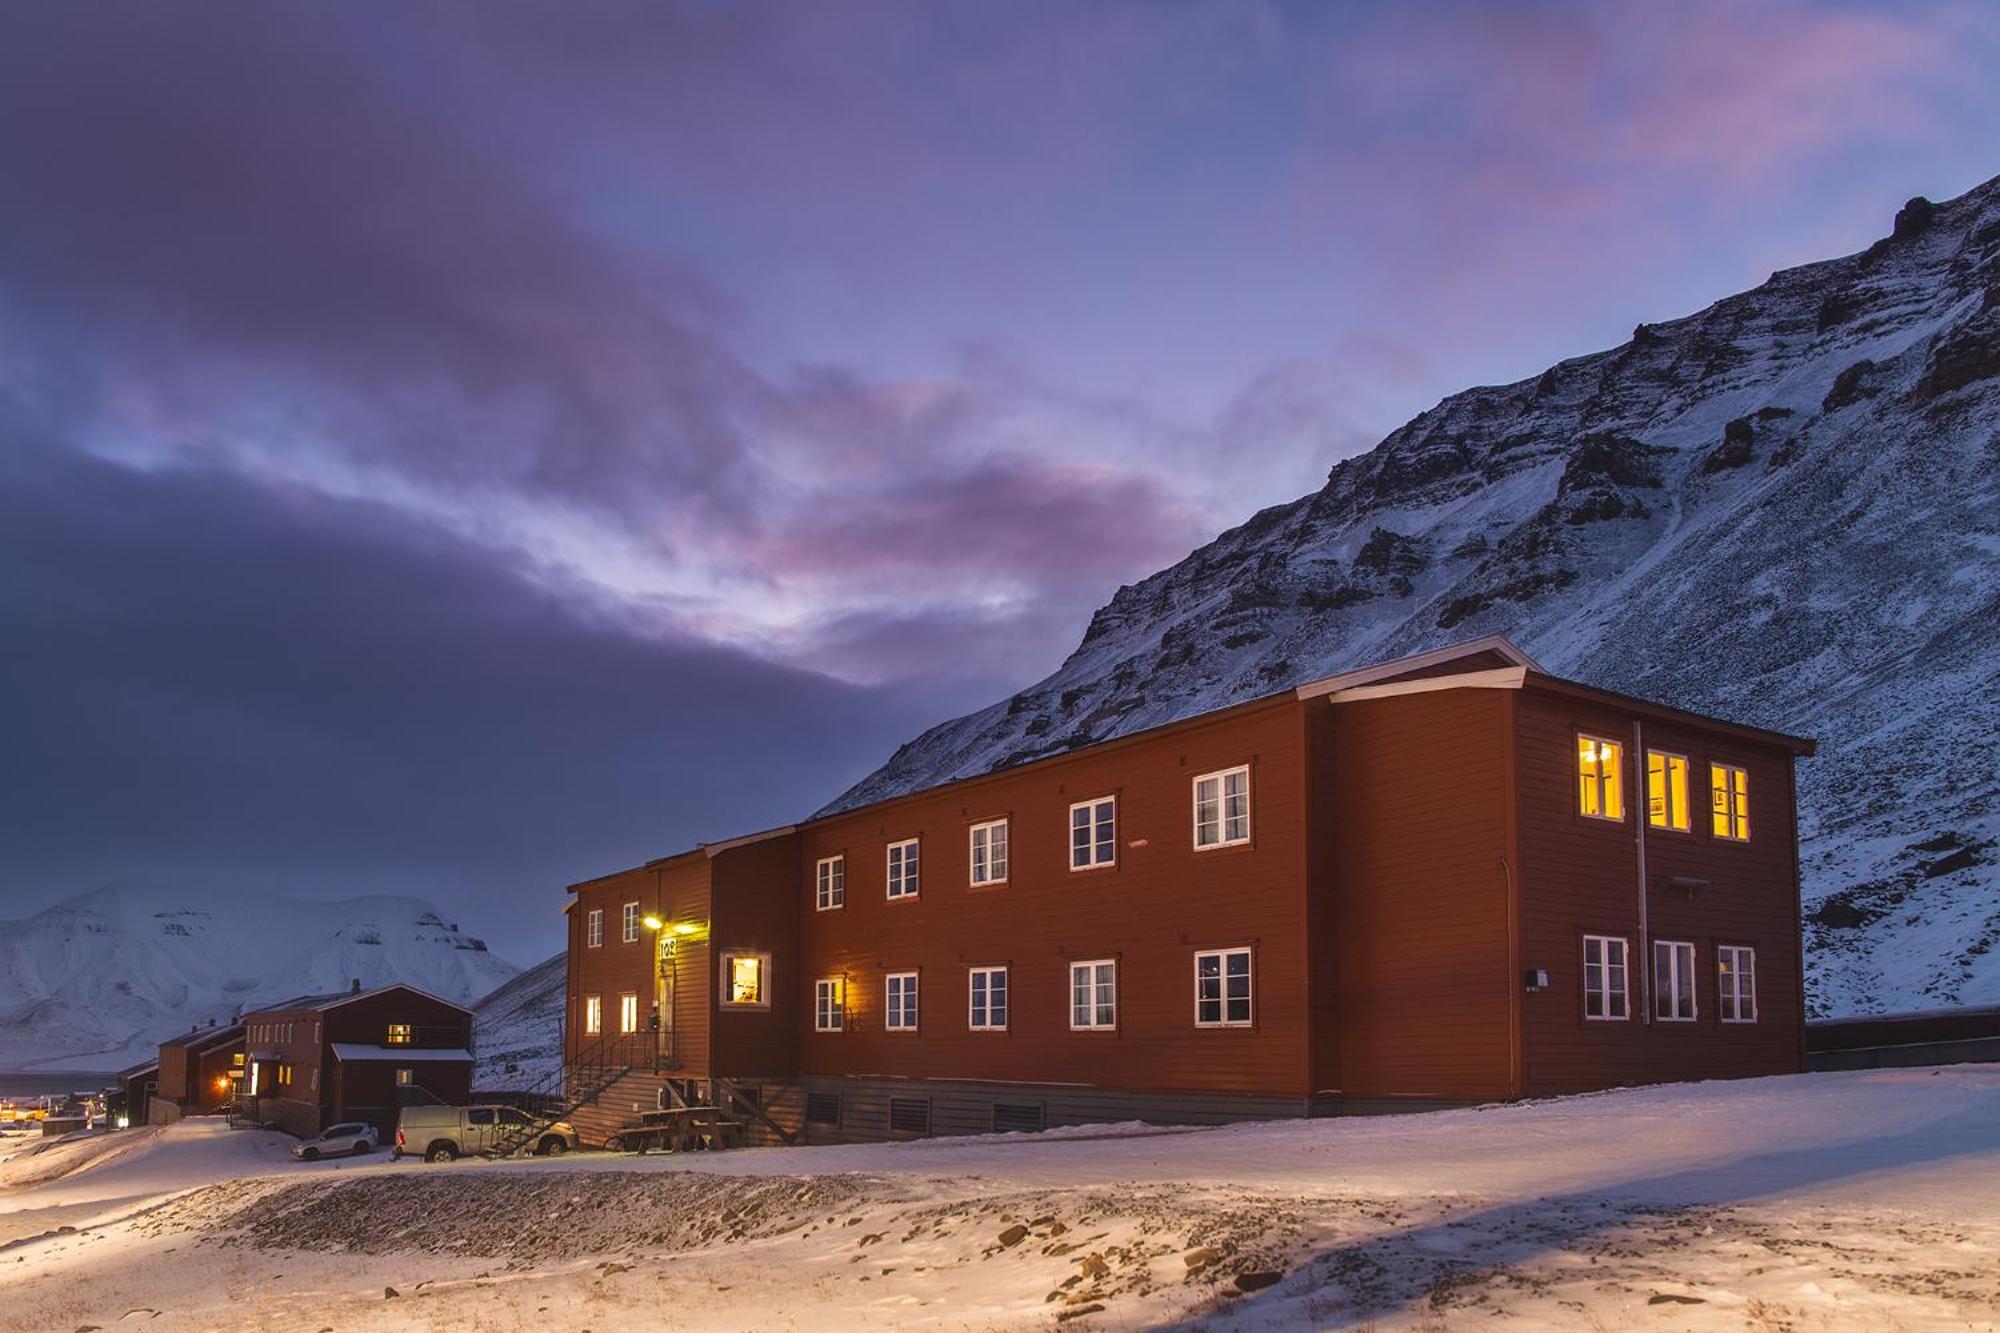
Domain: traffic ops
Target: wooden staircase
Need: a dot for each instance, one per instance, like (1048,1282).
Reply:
(575,1090)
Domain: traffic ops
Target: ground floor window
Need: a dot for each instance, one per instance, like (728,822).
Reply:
(593,1015)
(628,1012)
(284,1076)
(1222,988)
(405,1077)
(1673,981)
(1736,974)
(746,978)
(902,1015)
(1604,983)
(1093,995)
(829,1005)
(988,999)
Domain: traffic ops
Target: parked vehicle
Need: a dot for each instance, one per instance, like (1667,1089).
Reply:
(348,1139)
(441,1133)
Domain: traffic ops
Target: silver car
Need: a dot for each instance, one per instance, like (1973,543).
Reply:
(349,1139)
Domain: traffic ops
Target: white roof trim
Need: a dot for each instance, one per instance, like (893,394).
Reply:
(1499,678)
(359,1052)
(394,985)
(1497,643)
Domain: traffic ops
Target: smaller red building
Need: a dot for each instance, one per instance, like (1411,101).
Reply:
(198,1073)
(355,1055)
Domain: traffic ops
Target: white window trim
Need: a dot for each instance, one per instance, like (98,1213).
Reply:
(593,928)
(1219,777)
(1687,797)
(1693,989)
(1624,787)
(1722,1010)
(971,863)
(1734,813)
(888,880)
(628,1003)
(839,985)
(1226,1021)
(629,923)
(1624,993)
(593,1015)
(1070,998)
(729,956)
(823,883)
(972,1022)
(1069,834)
(890,1011)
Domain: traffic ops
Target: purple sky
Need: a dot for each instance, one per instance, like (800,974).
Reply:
(461,448)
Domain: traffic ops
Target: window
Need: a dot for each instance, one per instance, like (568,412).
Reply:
(1222,989)
(1667,790)
(902,1002)
(628,1012)
(1736,974)
(1605,993)
(745,979)
(989,852)
(1673,981)
(1222,808)
(829,1004)
(593,1015)
(399,1034)
(284,1076)
(593,929)
(903,869)
(405,1077)
(1093,995)
(1600,778)
(1729,800)
(832,877)
(631,922)
(1093,833)
(479,1115)
(988,997)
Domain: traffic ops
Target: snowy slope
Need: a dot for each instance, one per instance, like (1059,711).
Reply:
(1783,509)
(517,1029)
(96,982)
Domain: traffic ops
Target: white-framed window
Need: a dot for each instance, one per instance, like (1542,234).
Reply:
(986,999)
(901,990)
(1667,790)
(1673,981)
(989,852)
(1606,983)
(903,868)
(1600,778)
(746,980)
(1729,802)
(593,928)
(829,1005)
(830,875)
(628,1012)
(1736,976)
(1222,988)
(593,1015)
(630,920)
(1093,833)
(1222,808)
(1093,995)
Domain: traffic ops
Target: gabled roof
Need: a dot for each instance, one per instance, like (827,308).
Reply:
(1496,644)
(205,1037)
(335,999)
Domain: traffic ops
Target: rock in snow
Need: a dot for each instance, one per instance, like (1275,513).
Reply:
(1783,510)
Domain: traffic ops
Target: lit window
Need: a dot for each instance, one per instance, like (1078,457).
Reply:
(1604,977)
(593,930)
(1673,981)
(989,852)
(405,1077)
(829,1005)
(1093,994)
(1666,791)
(284,1076)
(593,1015)
(902,1011)
(988,999)
(237,1059)
(1736,973)
(631,922)
(1600,777)
(1222,989)
(1222,808)
(1729,801)
(1093,833)
(903,868)
(399,1034)
(743,978)
(628,1012)
(832,883)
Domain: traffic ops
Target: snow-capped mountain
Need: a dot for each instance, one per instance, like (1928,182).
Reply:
(517,1029)
(96,982)
(1784,510)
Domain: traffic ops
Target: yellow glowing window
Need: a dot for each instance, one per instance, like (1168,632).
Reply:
(628,1012)
(1666,791)
(593,1014)
(1729,801)
(399,1034)
(744,977)
(1600,777)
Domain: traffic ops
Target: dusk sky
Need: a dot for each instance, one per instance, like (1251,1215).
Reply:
(459,449)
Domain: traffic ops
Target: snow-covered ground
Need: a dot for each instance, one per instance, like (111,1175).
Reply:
(1853,1200)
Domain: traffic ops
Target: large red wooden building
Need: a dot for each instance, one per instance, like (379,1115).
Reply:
(1445,879)
(355,1054)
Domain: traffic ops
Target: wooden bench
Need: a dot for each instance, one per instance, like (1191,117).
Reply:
(681,1129)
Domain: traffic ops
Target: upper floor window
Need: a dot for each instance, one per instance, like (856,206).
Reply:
(1736,975)
(902,1002)
(1222,988)
(1605,993)
(628,1012)
(989,852)
(831,890)
(1093,833)
(1729,801)
(593,928)
(1673,981)
(400,1034)
(829,1005)
(593,1015)
(745,977)
(1667,790)
(1093,994)
(631,922)
(987,999)
(1222,808)
(1600,778)
(903,868)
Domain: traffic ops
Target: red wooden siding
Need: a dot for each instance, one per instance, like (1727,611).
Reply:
(677,891)
(757,900)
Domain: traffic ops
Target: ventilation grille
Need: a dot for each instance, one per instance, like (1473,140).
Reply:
(909,1115)
(1018,1118)
(822,1108)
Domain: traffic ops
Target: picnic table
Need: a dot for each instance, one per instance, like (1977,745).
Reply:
(679,1129)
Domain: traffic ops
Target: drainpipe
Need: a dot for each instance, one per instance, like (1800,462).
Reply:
(1639,819)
